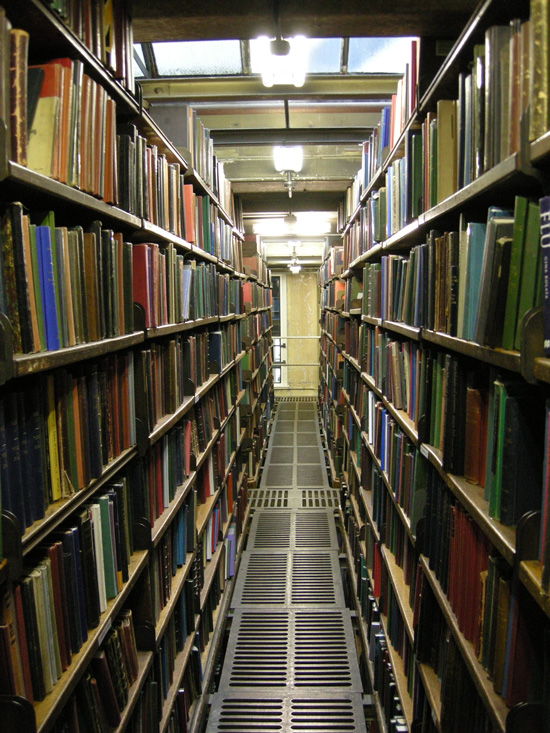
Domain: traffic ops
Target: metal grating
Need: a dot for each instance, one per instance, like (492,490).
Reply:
(291,649)
(290,579)
(309,455)
(293,529)
(285,426)
(263,579)
(321,712)
(272,529)
(283,439)
(319,498)
(315,578)
(306,439)
(258,650)
(282,455)
(309,475)
(314,498)
(281,475)
(307,426)
(269,498)
(313,530)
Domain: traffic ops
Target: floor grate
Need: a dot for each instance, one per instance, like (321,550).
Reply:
(292,529)
(248,712)
(291,649)
(315,498)
(289,579)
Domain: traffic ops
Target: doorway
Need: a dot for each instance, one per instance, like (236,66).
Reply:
(295,333)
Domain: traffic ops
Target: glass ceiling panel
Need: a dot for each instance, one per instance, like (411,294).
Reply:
(379,55)
(138,51)
(323,55)
(198,58)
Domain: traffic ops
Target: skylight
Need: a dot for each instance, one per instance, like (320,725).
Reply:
(198,58)
(325,56)
(375,55)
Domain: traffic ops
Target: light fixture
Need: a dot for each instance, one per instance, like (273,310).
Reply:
(288,158)
(282,61)
(295,268)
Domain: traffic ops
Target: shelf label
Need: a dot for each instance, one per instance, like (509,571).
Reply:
(424,450)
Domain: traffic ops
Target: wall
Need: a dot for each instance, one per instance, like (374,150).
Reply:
(302,320)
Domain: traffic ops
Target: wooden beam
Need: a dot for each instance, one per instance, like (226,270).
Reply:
(171,20)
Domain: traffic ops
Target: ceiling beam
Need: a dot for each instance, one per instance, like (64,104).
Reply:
(235,88)
(172,20)
(309,136)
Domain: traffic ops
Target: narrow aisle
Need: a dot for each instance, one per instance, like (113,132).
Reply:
(290,663)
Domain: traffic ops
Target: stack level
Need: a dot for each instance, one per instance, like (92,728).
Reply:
(290,663)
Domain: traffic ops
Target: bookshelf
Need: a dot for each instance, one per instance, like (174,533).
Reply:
(141,415)
(388,446)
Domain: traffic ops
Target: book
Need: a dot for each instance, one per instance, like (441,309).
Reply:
(529,289)
(515,274)
(497,229)
(544,204)
(19,50)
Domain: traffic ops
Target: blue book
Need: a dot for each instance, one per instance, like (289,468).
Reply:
(47,283)
(476,243)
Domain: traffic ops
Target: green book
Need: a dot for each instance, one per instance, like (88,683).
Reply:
(417,176)
(514,278)
(111,583)
(530,271)
(499,407)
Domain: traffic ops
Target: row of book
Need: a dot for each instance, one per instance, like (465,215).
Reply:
(189,135)
(479,586)
(155,189)
(488,426)
(60,432)
(63,286)
(493,610)
(467,136)
(65,588)
(333,261)
(102,693)
(105,30)
(169,462)
(256,325)
(172,289)
(461,282)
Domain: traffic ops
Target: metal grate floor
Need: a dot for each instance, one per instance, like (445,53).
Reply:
(290,663)
(289,579)
(294,498)
(291,649)
(322,712)
(293,529)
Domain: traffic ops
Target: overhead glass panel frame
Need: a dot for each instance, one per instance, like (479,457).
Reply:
(198,58)
(376,55)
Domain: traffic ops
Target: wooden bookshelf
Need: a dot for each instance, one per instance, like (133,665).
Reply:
(48,709)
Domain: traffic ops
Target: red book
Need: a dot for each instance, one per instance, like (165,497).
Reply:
(23,643)
(142,274)
(377,573)
(189,208)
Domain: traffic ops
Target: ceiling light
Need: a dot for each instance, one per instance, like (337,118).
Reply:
(288,157)
(282,61)
(294,266)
